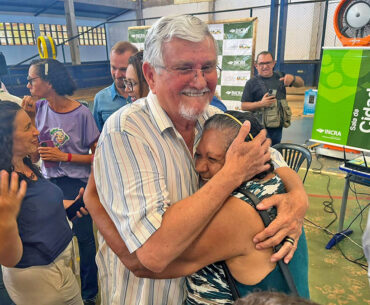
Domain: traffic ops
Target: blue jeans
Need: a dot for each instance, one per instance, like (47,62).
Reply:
(275,135)
(4,297)
(83,229)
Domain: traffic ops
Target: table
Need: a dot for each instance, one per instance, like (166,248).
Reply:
(354,176)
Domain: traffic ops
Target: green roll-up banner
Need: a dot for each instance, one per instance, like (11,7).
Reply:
(342,115)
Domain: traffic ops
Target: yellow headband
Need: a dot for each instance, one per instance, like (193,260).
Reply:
(236,120)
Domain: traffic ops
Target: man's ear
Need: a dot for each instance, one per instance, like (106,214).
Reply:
(150,75)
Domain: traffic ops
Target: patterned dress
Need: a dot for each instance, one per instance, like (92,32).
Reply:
(209,285)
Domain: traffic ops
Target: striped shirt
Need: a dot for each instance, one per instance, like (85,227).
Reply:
(142,166)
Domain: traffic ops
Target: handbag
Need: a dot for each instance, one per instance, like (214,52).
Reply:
(283,266)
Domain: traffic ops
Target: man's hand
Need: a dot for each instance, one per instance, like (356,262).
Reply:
(52,154)
(267,100)
(288,80)
(244,160)
(289,221)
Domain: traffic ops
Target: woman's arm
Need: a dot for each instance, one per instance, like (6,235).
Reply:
(55,154)
(11,197)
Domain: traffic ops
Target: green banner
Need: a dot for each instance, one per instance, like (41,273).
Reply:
(238,30)
(342,114)
(236,63)
(232,93)
(137,35)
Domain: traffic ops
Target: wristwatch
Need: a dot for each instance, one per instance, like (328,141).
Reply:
(291,84)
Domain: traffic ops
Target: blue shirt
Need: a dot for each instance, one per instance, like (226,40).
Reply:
(42,224)
(107,101)
(217,103)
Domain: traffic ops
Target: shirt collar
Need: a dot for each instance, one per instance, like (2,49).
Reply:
(114,93)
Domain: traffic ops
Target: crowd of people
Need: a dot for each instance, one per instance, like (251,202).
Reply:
(163,176)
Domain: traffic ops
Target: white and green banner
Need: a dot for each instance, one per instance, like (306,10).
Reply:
(342,115)
(235,40)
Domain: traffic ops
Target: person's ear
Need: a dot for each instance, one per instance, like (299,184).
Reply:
(150,75)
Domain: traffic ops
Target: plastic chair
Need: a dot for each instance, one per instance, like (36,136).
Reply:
(294,155)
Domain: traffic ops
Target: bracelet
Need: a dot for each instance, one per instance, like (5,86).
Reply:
(291,84)
(69,158)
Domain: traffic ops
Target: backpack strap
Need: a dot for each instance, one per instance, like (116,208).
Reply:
(283,266)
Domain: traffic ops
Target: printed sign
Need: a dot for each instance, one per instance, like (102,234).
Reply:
(342,114)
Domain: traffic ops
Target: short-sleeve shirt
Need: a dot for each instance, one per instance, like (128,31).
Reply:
(106,102)
(142,165)
(253,91)
(42,224)
(72,132)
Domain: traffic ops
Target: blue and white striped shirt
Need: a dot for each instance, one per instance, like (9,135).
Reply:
(142,166)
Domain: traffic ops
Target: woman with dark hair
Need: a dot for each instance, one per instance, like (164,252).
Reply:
(35,236)
(67,133)
(230,234)
(136,85)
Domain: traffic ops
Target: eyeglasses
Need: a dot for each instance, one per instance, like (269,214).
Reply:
(30,80)
(129,84)
(190,73)
(267,63)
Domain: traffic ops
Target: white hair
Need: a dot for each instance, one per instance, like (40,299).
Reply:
(185,27)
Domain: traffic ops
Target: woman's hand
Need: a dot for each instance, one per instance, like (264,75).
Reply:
(10,196)
(67,203)
(29,105)
(52,154)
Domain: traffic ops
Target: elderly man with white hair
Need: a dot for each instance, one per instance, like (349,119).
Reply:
(152,207)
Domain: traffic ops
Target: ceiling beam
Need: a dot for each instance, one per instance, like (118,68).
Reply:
(124,4)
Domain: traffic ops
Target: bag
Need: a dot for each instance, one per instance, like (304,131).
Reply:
(278,115)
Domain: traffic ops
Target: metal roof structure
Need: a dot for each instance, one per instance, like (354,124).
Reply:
(102,9)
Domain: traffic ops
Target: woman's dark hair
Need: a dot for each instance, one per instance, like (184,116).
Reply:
(231,128)
(56,74)
(136,61)
(8,112)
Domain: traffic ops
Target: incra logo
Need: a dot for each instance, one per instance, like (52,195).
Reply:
(328,131)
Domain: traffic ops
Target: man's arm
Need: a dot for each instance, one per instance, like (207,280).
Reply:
(291,209)
(228,235)
(97,115)
(266,101)
(292,80)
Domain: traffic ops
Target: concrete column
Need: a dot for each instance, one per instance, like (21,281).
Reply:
(139,12)
(316,30)
(211,8)
(72,31)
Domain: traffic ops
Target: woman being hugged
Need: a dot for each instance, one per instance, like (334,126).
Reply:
(35,236)
(67,133)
